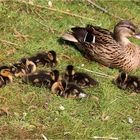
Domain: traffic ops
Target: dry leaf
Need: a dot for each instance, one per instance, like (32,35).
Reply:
(95,98)
(130,120)
(66,57)
(20,36)
(31,2)
(104,117)
(4,110)
(61,107)
(50,3)
(133,94)
(46,105)
(11,51)
(82,65)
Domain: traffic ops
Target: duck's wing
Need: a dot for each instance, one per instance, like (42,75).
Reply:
(90,34)
(95,43)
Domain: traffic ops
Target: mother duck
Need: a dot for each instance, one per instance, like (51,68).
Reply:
(112,49)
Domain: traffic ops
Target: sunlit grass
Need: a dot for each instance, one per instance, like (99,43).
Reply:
(34,111)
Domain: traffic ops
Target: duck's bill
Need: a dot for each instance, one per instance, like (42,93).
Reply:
(137,36)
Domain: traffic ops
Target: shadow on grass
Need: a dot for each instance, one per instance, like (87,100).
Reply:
(85,54)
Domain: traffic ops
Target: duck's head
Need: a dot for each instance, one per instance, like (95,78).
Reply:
(70,70)
(4,67)
(59,87)
(5,73)
(30,66)
(121,80)
(52,57)
(125,29)
(55,75)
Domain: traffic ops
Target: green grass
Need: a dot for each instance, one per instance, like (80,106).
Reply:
(34,111)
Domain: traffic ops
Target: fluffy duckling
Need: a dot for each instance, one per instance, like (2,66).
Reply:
(81,79)
(42,78)
(125,81)
(23,67)
(4,67)
(18,69)
(30,66)
(52,58)
(45,58)
(68,90)
(5,77)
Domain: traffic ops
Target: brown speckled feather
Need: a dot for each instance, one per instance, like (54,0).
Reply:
(112,49)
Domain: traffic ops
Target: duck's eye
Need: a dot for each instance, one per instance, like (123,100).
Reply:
(89,38)
(132,29)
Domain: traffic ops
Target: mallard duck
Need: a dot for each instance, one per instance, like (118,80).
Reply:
(45,58)
(112,49)
(68,90)
(125,81)
(79,78)
(42,78)
(5,77)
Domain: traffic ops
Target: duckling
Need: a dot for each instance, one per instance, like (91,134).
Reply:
(112,49)
(18,69)
(42,78)
(52,58)
(30,66)
(4,67)
(68,90)
(23,67)
(79,78)
(5,77)
(45,58)
(125,81)
(55,76)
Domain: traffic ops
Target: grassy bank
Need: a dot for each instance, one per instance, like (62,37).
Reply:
(27,112)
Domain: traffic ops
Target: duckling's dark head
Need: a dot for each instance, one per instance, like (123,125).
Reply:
(121,80)
(125,29)
(4,67)
(52,55)
(70,70)
(30,66)
(55,75)
(6,74)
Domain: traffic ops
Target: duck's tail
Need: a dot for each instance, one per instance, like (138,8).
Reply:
(69,37)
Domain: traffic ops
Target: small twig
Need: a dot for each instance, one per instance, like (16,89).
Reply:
(41,23)
(109,138)
(98,73)
(103,10)
(8,42)
(113,101)
(44,137)
(46,27)
(39,15)
(4,0)
(55,10)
